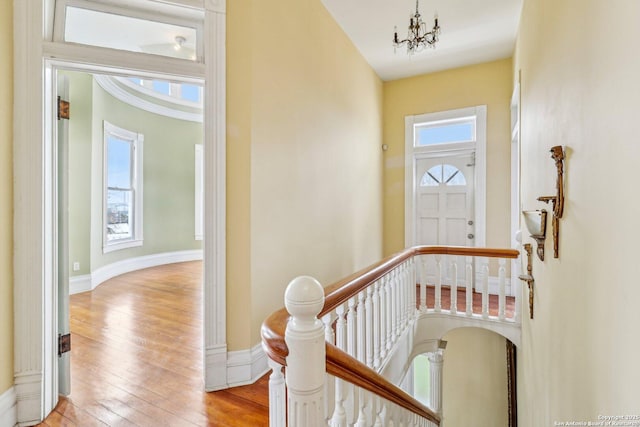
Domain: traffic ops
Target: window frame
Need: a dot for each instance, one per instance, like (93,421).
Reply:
(136,221)
(433,124)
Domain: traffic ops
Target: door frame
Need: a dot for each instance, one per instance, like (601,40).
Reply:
(412,154)
(35,284)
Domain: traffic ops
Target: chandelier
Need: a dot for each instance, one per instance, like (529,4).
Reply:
(418,38)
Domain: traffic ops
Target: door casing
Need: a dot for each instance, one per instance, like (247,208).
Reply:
(412,154)
(35,278)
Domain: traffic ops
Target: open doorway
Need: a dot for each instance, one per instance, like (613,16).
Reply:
(35,273)
(129,188)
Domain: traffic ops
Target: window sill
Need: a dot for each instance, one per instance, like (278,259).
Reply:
(116,246)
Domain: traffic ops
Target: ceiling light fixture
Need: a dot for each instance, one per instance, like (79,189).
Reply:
(418,38)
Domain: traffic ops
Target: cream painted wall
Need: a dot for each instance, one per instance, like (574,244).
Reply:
(579,356)
(239,114)
(487,84)
(310,109)
(6,196)
(475,379)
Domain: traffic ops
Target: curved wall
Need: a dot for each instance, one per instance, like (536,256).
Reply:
(169,176)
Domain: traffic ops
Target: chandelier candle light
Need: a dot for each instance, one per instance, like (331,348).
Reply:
(418,37)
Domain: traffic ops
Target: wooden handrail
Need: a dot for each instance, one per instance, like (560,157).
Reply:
(339,363)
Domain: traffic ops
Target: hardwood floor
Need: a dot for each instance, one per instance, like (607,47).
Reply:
(136,357)
(510,302)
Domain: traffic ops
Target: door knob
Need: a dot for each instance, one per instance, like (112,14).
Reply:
(470,222)
(470,236)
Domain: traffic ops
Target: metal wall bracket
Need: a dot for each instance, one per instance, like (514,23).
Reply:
(557,201)
(529,277)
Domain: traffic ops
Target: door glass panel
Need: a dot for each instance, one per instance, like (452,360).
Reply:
(114,31)
(443,174)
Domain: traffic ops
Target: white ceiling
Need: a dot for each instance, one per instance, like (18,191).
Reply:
(472,31)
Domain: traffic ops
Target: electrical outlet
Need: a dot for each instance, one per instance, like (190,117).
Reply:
(76,266)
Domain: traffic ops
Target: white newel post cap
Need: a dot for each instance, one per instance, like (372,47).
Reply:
(304,299)
(304,337)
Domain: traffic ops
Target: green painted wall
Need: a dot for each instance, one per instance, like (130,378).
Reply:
(168,181)
(169,177)
(81,97)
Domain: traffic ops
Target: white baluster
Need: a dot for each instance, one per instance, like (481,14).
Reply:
(376,324)
(362,418)
(423,283)
(329,397)
(435,376)
(379,412)
(389,310)
(352,319)
(454,287)
(368,304)
(394,306)
(413,307)
(362,318)
(399,301)
(502,273)
(485,288)
(339,418)
(438,306)
(304,337)
(383,317)
(469,285)
(329,389)
(484,271)
(403,296)
(329,335)
(277,392)
(517,291)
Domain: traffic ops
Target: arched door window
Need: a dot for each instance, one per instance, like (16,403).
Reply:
(443,174)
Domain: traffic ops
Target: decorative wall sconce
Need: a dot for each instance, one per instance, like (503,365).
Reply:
(557,201)
(529,277)
(536,222)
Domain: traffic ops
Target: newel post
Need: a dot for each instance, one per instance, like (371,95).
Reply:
(304,337)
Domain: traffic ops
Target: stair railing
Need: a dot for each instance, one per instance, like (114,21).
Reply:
(335,341)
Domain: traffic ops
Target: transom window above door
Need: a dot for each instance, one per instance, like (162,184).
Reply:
(158,31)
(445,132)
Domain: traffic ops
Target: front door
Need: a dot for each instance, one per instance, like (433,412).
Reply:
(444,207)
(444,201)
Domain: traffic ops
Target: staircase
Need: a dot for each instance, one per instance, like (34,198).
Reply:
(336,353)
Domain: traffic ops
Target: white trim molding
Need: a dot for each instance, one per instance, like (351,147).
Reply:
(215,245)
(35,193)
(89,282)
(246,366)
(8,408)
(479,146)
(115,88)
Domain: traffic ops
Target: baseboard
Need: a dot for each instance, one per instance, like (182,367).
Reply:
(246,366)
(8,408)
(215,361)
(89,282)
(78,284)
(28,398)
